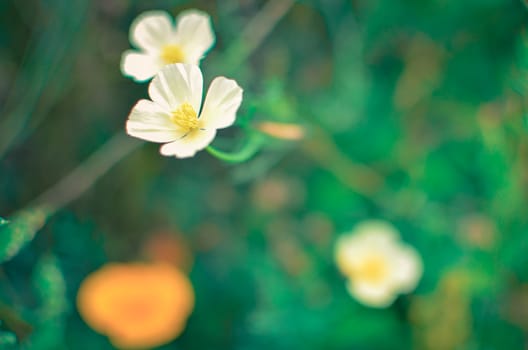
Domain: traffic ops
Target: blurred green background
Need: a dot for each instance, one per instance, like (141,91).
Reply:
(415,112)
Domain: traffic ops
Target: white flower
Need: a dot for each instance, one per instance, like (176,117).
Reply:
(160,43)
(174,117)
(377,264)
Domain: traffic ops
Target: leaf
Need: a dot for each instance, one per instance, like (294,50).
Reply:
(21,229)
(7,339)
(50,285)
(3,222)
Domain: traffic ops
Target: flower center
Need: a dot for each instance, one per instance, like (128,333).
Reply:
(374,269)
(172,54)
(185,117)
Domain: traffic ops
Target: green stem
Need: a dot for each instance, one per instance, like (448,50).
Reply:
(84,176)
(246,152)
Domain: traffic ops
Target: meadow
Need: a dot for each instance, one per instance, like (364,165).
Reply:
(263,174)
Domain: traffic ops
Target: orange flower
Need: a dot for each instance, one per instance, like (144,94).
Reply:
(136,305)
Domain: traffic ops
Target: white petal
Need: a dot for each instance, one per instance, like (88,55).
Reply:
(194,34)
(371,295)
(176,84)
(151,122)
(408,269)
(377,232)
(139,66)
(151,30)
(349,253)
(188,145)
(221,103)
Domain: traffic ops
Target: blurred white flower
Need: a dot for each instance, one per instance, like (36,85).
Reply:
(377,264)
(174,117)
(160,43)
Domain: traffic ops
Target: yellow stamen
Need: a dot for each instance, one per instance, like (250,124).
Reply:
(185,117)
(172,54)
(374,269)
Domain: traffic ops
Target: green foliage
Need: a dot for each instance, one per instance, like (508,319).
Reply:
(7,340)
(21,229)
(49,282)
(415,112)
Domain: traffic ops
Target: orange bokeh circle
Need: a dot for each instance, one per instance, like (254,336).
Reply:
(136,305)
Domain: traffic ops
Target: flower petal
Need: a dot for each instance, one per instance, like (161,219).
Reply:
(349,254)
(176,84)
(139,66)
(408,269)
(194,34)
(379,295)
(151,122)
(188,145)
(221,103)
(151,30)
(377,232)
